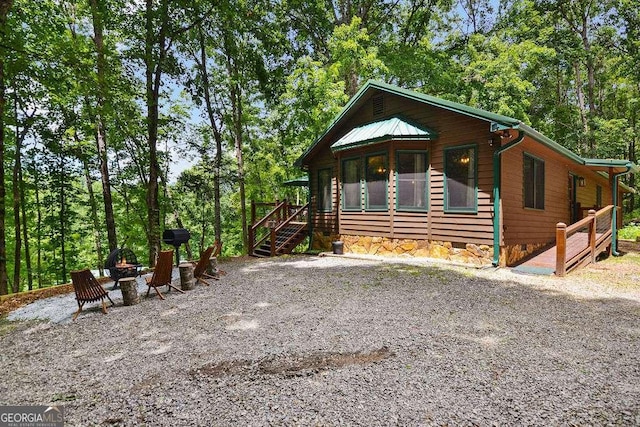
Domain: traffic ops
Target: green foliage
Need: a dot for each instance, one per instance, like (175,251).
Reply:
(630,232)
(279,72)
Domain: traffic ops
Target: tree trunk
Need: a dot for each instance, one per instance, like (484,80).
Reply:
(591,82)
(235,93)
(5,5)
(632,158)
(581,106)
(216,136)
(38,228)
(25,234)
(62,217)
(94,218)
(100,134)
(153,73)
(237,119)
(15,187)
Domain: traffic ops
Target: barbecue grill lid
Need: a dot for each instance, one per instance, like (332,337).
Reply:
(176,236)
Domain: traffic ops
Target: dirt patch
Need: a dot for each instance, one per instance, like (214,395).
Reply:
(292,365)
(626,246)
(622,272)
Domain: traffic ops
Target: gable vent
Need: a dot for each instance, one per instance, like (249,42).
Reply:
(378,105)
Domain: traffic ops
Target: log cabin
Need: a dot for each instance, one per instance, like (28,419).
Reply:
(401,172)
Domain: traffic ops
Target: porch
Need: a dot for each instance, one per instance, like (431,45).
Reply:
(576,246)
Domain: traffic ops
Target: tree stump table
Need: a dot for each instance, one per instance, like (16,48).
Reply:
(186,276)
(129,288)
(212,268)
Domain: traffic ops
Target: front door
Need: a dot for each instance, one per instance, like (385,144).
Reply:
(574,208)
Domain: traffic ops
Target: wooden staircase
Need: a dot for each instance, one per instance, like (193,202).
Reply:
(278,232)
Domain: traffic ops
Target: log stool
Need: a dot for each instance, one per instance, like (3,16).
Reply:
(129,289)
(212,268)
(186,276)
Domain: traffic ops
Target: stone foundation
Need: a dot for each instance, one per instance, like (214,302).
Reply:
(322,242)
(383,246)
(473,254)
(513,253)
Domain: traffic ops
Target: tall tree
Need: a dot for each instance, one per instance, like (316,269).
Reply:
(96,7)
(5,6)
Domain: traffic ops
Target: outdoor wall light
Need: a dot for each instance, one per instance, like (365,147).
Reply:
(582,182)
(505,134)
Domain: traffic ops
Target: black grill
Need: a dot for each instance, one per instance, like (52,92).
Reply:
(118,257)
(176,237)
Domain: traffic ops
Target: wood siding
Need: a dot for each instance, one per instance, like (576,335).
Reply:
(453,130)
(522,225)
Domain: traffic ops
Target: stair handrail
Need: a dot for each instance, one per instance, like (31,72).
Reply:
(261,223)
(594,247)
(282,225)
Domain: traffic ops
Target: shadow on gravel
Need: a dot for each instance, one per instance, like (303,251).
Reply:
(291,364)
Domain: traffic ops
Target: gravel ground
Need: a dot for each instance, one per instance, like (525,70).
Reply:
(338,341)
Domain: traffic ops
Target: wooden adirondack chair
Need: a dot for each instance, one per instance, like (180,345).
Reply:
(88,289)
(162,274)
(200,271)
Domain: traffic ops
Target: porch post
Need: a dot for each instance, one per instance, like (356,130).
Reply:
(592,235)
(561,249)
(614,215)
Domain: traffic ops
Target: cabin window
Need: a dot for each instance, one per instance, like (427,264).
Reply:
(376,182)
(324,191)
(411,180)
(533,182)
(460,189)
(599,196)
(351,189)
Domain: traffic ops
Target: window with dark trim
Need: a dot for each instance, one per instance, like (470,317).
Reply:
(460,186)
(376,181)
(411,180)
(533,177)
(325,204)
(351,186)
(599,196)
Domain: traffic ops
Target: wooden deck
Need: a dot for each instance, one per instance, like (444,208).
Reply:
(545,262)
(576,245)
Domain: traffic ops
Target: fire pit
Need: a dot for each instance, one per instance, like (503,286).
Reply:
(122,263)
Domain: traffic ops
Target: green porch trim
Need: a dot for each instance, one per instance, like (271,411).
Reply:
(496,195)
(614,218)
(454,210)
(427,181)
(365,165)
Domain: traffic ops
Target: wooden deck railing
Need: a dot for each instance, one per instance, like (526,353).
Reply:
(271,223)
(580,243)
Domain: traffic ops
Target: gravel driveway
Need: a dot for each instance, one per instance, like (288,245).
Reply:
(337,341)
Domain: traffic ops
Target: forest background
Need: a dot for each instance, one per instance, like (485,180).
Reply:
(99,99)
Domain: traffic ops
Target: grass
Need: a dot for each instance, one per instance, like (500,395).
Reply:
(630,232)
(621,272)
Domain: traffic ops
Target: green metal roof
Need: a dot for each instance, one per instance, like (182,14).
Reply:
(612,163)
(394,128)
(497,122)
(302,181)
